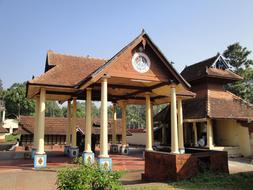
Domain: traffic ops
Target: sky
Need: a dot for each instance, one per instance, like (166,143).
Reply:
(186,31)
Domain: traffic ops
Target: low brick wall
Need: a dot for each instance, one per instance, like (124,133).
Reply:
(161,166)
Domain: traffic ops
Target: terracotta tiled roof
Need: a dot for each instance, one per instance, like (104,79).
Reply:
(227,105)
(60,68)
(218,105)
(203,69)
(58,125)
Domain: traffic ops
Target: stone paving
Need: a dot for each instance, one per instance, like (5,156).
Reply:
(20,175)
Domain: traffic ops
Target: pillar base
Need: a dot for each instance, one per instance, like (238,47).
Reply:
(33,152)
(124,149)
(181,150)
(105,164)
(114,148)
(66,150)
(40,161)
(73,151)
(88,157)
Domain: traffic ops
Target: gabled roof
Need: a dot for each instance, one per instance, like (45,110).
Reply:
(205,68)
(66,70)
(58,125)
(145,36)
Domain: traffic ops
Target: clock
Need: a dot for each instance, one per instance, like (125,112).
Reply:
(141,62)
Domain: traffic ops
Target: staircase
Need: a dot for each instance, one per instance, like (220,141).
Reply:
(233,151)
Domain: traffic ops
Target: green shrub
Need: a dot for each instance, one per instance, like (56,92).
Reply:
(12,137)
(87,177)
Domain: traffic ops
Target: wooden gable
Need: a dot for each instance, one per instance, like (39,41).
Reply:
(123,66)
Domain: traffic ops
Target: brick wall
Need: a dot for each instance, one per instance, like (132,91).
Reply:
(162,166)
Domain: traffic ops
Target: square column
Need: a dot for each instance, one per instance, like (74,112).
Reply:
(194,126)
(209,133)
(180,127)
(73,150)
(68,131)
(35,132)
(114,146)
(124,146)
(104,161)
(148,124)
(88,155)
(40,157)
(174,133)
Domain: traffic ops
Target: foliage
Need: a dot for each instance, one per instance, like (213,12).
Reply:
(12,137)
(87,177)
(211,180)
(16,101)
(53,109)
(237,57)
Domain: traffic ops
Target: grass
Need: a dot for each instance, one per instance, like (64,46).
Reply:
(12,138)
(204,181)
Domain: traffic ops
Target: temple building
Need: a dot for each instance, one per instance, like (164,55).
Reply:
(221,118)
(138,74)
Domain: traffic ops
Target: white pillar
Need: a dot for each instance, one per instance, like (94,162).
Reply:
(114,124)
(41,121)
(3,117)
(194,126)
(73,143)
(148,123)
(88,121)
(152,124)
(209,133)
(180,127)
(36,122)
(174,133)
(123,123)
(68,142)
(104,120)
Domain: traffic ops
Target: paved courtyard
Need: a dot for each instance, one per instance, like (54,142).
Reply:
(19,174)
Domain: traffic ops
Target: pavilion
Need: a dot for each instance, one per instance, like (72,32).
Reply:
(138,74)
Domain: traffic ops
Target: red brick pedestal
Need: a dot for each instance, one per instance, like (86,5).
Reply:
(162,166)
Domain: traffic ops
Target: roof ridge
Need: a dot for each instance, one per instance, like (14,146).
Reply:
(200,62)
(76,56)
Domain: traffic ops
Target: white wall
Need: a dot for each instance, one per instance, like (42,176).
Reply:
(137,138)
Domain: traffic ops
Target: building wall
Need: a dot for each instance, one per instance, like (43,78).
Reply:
(230,133)
(244,140)
(226,133)
(137,138)
(10,124)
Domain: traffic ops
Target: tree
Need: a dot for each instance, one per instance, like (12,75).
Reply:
(16,101)
(237,57)
(53,109)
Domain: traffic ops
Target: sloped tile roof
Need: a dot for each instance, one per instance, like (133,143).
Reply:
(217,105)
(203,69)
(58,125)
(66,70)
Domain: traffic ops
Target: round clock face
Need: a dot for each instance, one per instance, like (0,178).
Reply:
(141,62)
